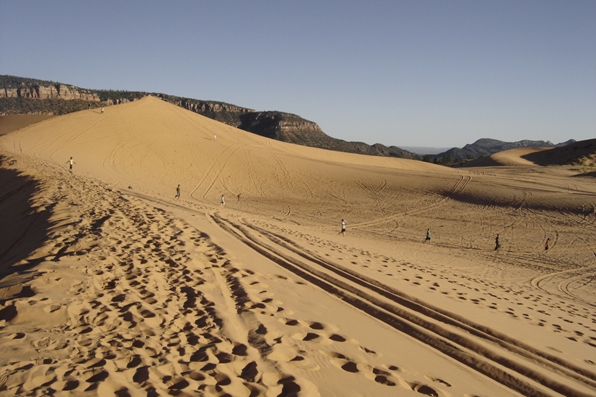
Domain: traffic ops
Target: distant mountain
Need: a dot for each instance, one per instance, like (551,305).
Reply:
(19,95)
(424,150)
(485,147)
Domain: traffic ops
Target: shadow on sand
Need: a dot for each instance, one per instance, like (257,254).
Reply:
(22,229)
(569,154)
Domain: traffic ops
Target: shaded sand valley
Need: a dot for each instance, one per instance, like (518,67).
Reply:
(113,287)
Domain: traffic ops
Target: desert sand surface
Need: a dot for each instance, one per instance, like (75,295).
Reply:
(112,286)
(13,122)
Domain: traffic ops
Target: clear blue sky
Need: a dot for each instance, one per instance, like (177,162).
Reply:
(404,73)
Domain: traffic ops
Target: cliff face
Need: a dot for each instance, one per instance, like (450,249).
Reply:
(211,107)
(203,107)
(57,91)
(284,127)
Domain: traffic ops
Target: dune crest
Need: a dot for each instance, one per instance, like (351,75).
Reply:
(151,142)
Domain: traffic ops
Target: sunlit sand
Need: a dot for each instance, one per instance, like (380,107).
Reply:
(113,286)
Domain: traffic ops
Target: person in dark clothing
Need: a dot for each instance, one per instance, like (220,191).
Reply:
(343,227)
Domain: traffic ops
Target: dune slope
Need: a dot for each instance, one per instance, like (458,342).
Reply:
(134,292)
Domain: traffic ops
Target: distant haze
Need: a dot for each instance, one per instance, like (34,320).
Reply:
(422,150)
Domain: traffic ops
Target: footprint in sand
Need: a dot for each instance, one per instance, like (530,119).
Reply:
(43,343)
(384,378)
(441,381)
(378,375)
(296,357)
(424,389)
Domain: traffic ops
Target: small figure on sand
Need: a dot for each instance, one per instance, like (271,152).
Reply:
(223,200)
(70,162)
(102,110)
(343,228)
(497,245)
(427,239)
(177,192)
(547,244)
(238,197)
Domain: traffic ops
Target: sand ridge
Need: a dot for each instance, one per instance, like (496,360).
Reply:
(134,292)
(14,122)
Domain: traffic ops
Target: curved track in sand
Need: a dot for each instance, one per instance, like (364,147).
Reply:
(472,344)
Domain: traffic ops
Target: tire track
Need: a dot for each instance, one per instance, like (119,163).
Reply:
(563,286)
(213,167)
(474,345)
(73,137)
(440,201)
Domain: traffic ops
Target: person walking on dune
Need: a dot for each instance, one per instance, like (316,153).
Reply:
(223,200)
(178,192)
(547,244)
(343,227)
(427,239)
(497,245)
(70,163)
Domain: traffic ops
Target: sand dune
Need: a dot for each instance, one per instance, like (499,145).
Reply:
(14,122)
(515,156)
(546,156)
(111,286)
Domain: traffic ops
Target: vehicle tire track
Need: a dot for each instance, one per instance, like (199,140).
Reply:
(462,340)
(563,286)
(440,201)
(216,162)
